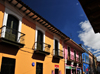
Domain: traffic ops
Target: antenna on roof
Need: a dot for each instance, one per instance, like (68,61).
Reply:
(71,36)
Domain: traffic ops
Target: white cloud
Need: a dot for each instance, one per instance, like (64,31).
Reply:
(98,58)
(97,54)
(88,36)
(96,51)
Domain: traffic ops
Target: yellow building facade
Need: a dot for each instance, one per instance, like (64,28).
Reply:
(28,44)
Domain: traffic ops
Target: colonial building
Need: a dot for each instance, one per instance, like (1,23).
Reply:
(85,58)
(91,63)
(73,57)
(29,44)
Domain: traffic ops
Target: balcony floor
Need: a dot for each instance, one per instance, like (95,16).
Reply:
(12,43)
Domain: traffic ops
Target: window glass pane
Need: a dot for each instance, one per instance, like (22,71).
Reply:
(40,40)
(39,68)
(74,54)
(8,66)
(69,52)
(12,28)
(56,47)
(12,22)
(40,36)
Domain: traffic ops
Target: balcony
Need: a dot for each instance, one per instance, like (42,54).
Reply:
(11,37)
(58,53)
(42,48)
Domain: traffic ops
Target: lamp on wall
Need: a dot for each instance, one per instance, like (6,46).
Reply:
(49,46)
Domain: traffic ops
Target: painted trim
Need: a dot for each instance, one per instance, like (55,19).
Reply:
(6,13)
(36,34)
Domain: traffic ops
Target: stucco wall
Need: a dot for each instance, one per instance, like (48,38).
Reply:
(25,56)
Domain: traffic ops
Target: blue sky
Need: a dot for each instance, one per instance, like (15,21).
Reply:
(68,16)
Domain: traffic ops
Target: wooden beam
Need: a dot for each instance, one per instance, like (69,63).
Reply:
(97,27)
(41,22)
(21,7)
(44,23)
(50,28)
(35,18)
(96,20)
(25,10)
(93,11)
(16,4)
(28,13)
(31,16)
(10,1)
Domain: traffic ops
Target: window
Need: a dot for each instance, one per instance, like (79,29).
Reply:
(68,52)
(8,66)
(56,50)
(14,21)
(12,28)
(39,68)
(40,40)
(83,57)
(84,69)
(56,71)
(56,47)
(79,57)
(74,55)
(87,59)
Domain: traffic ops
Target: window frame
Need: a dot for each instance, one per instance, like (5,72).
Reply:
(55,38)
(6,13)
(74,55)
(83,57)
(87,59)
(36,35)
(79,54)
(69,52)
(37,63)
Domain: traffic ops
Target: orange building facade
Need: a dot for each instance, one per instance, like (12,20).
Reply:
(28,43)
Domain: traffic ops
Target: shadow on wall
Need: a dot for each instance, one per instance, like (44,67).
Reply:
(55,60)
(38,56)
(28,23)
